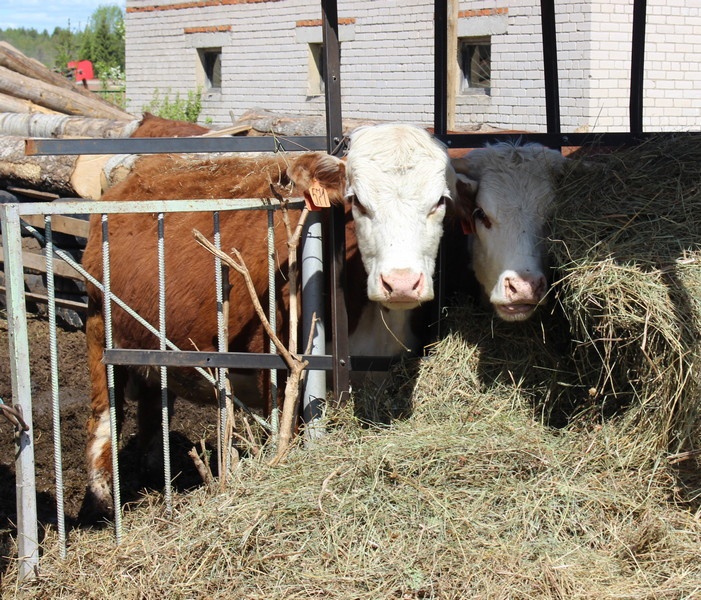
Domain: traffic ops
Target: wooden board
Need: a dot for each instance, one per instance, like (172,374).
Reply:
(37,263)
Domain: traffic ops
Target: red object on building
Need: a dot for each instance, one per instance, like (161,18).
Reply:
(82,69)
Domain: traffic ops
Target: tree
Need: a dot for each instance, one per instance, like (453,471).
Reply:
(103,39)
(66,46)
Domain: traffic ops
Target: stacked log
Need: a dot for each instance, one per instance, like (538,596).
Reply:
(30,86)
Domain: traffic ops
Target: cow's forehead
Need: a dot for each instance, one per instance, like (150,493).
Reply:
(525,188)
(419,185)
(397,163)
(393,149)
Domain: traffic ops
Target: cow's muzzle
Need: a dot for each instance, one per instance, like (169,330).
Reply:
(403,289)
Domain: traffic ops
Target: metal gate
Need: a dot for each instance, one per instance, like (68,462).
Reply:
(338,359)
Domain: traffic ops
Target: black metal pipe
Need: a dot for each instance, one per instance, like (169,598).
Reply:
(637,66)
(237,360)
(41,147)
(552,92)
(337,229)
(440,75)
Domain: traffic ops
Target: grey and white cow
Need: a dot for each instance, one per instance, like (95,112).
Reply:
(509,190)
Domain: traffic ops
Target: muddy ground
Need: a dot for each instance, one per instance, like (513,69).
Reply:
(189,424)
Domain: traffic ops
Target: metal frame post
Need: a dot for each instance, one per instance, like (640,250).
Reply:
(637,67)
(27,528)
(440,76)
(337,229)
(552,90)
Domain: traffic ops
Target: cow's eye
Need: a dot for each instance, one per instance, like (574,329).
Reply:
(358,205)
(438,205)
(479,215)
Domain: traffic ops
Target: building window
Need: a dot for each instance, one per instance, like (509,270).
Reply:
(475,59)
(309,33)
(315,80)
(210,59)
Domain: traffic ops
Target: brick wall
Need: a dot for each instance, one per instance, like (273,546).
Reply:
(387,60)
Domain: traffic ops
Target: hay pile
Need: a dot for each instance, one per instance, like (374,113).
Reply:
(476,494)
(469,498)
(627,240)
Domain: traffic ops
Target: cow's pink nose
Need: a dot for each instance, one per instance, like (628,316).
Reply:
(526,289)
(402,285)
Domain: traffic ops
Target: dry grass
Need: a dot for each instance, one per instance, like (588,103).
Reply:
(628,244)
(472,500)
(537,461)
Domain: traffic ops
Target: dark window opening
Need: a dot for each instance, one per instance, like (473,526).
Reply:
(475,58)
(211,64)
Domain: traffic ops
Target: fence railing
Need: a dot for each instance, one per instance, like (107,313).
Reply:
(30,217)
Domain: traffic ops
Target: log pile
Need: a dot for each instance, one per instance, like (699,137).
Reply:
(27,86)
(36,102)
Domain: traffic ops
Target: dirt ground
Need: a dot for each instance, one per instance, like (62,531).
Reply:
(189,424)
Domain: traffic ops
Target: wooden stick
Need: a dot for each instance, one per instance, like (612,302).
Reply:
(294,363)
(202,469)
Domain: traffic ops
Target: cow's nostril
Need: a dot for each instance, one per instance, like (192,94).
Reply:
(385,284)
(541,286)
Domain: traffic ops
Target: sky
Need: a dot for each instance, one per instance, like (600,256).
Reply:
(49,14)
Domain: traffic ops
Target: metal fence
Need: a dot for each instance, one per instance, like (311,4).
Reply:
(11,220)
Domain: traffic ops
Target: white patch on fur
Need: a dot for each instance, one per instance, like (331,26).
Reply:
(382,332)
(515,192)
(399,175)
(100,481)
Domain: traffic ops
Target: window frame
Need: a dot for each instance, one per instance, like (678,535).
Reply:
(468,49)
(210,63)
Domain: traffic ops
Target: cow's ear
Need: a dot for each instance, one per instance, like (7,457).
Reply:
(466,201)
(471,163)
(555,160)
(317,168)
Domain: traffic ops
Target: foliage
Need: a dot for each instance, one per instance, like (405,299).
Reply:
(101,41)
(113,85)
(178,109)
(51,49)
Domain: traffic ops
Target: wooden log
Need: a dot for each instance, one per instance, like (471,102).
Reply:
(36,263)
(266,123)
(12,104)
(14,60)
(116,169)
(60,224)
(59,125)
(80,307)
(53,97)
(86,178)
(83,176)
(66,176)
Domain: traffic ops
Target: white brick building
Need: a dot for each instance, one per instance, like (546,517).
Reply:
(264,54)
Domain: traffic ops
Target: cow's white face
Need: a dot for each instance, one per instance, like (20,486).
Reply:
(512,192)
(399,181)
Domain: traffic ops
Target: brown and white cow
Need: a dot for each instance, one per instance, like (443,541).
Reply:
(509,191)
(398,180)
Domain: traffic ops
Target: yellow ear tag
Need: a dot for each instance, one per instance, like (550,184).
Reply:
(317,196)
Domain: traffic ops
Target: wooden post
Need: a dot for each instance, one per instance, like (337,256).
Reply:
(452,63)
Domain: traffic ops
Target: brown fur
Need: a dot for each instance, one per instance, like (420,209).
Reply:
(152,126)
(190,294)
(191,321)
